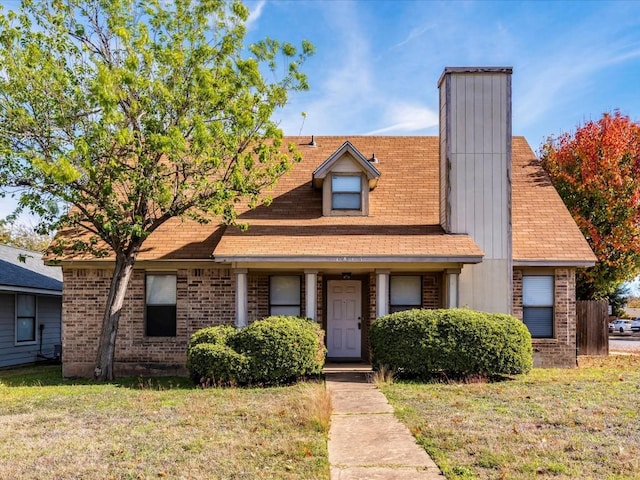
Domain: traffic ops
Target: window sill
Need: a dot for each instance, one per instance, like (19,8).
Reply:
(25,343)
(544,340)
(156,340)
(347,213)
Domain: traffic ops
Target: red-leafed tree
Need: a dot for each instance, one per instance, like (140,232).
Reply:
(596,172)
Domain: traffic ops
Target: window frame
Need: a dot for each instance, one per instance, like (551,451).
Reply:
(540,307)
(285,305)
(393,308)
(359,193)
(173,310)
(17,317)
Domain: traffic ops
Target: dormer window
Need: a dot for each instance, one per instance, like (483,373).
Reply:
(346,192)
(346,178)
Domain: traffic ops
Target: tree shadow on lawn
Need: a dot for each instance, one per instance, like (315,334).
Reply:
(51,376)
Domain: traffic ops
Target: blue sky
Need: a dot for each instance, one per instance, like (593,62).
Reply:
(378,62)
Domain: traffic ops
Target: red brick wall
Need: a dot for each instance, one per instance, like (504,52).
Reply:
(204,297)
(432,291)
(258,286)
(559,351)
(83,301)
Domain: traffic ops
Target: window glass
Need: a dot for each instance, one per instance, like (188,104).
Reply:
(539,321)
(26,331)
(285,310)
(161,306)
(161,289)
(405,292)
(537,305)
(346,192)
(284,295)
(26,318)
(537,290)
(346,201)
(346,183)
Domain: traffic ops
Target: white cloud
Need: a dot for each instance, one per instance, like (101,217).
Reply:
(413,34)
(406,118)
(255,14)
(545,88)
(344,83)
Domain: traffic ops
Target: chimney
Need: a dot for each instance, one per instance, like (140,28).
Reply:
(475,178)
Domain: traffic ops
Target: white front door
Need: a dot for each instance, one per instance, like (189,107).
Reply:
(344,311)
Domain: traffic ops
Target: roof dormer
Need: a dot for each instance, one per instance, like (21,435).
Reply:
(346,178)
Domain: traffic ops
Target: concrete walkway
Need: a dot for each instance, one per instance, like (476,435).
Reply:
(366,441)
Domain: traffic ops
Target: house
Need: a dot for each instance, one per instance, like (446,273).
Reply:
(30,307)
(362,226)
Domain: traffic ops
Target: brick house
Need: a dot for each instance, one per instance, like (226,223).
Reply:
(362,226)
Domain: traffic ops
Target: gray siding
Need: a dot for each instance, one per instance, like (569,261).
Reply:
(475,179)
(48,314)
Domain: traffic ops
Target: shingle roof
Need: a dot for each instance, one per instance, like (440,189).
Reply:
(543,229)
(403,218)
(24,269)
(403,209)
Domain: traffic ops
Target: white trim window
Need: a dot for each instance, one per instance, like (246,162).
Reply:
(346,192)
(284,295)
(537,305)
(26,319)
(160,311)
(405,292)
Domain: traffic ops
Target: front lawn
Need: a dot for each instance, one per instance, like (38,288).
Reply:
(161,428)
(578,423)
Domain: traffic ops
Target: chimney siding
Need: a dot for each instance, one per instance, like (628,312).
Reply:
(475,178)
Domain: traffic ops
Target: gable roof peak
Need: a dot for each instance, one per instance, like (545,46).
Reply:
(364,163)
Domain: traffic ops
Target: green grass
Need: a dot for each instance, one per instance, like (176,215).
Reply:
(577,423)
(160,428)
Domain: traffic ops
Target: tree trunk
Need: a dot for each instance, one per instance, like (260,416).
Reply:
(119,284)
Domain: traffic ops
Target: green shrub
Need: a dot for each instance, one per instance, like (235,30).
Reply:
(274,350)
(216,364)
(217,335)
(280,349)
(454,342)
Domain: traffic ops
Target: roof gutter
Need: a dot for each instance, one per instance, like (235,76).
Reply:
(348,259)
(554,263)
(40,291)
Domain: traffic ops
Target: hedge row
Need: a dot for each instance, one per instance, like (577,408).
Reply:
(454,342)
(275,350)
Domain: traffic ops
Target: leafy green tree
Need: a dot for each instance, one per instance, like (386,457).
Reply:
(618,300)
(23,236)
(134,112)
(596,171)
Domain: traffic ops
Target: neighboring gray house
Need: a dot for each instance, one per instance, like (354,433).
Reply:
(30,307)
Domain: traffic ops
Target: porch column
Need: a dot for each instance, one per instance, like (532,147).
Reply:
(382,292)
(451,287)
(242,297)
(311,294)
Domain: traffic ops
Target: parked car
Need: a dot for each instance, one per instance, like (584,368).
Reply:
(635,325)
(611,327)
(622,326)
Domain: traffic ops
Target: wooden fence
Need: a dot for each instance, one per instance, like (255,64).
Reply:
(592,327)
